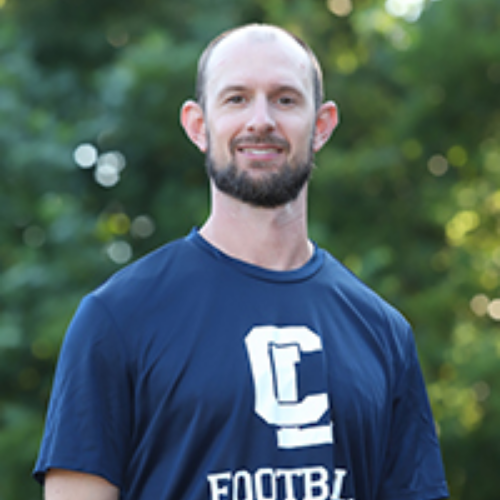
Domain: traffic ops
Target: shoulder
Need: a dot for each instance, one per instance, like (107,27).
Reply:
(146,285)
(137,298)
(365,305)
(352,288)
(147,274)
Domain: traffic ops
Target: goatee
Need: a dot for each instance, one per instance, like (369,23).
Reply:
(272,189)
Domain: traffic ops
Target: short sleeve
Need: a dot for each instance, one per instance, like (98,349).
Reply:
(89,416)
(414,468)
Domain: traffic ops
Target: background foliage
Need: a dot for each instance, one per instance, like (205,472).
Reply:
(407,193)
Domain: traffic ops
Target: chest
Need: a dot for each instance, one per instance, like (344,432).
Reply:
(273,370)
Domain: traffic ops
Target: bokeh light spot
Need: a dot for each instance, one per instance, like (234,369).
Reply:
(410,10)
(438,165)
(341,8)
(461,224)
(412,149)
(107,175)
(113,158)
(482,391)
(34,236)
(457,156)
(479,304)
(118,223)
(494,309)
(42,349)
(108,169)
(142,227)
(119,252)
(117,38)
(347,62)
(85,155)
(492,160)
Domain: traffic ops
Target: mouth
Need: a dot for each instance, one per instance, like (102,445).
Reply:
(260,150)
(260,157)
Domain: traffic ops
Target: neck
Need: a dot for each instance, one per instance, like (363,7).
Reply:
(274,238)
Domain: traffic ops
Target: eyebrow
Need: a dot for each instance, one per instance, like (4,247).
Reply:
(232,88)
(277,89)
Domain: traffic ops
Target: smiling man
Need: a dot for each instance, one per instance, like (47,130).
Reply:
(242,361)
(260,132)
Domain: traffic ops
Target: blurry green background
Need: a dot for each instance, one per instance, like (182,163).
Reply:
(95,171)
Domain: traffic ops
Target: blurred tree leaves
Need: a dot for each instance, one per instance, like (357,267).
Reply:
(406,194)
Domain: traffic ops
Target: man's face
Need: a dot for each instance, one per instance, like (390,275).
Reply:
(260,118)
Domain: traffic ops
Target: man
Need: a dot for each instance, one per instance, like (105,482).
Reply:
(243,362)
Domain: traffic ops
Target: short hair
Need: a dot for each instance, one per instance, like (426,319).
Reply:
(317,74)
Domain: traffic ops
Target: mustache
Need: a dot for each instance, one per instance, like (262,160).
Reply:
(257,140)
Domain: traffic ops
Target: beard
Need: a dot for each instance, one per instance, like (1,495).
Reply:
(273,189)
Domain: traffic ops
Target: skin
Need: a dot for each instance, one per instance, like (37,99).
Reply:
(270,94)
(69,485)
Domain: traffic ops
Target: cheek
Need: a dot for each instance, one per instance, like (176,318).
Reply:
(302,138)
(220,135)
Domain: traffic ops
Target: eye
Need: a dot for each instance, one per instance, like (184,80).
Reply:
(236,99)
(286,100)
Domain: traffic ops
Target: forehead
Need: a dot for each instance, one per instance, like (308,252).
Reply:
(259,56)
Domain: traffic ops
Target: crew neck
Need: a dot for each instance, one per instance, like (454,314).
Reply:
(309,269)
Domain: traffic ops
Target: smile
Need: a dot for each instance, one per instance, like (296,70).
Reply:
(264,148)
(260,151)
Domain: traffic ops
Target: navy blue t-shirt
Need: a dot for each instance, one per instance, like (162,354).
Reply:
(190,375)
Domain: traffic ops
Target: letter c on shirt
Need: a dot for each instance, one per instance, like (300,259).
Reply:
(274,353)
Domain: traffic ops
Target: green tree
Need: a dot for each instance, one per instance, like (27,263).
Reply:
(96,172)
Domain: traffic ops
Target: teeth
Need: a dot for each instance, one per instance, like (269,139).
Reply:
(260,151)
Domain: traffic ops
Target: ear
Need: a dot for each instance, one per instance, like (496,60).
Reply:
(327,119)
(193,122)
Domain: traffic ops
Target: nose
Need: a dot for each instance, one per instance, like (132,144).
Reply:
(261,119)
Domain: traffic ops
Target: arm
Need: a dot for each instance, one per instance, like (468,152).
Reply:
(69,485)
(413,463)
(89,417)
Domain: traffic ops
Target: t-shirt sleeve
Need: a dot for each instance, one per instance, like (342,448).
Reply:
(414,468)
(89,416)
